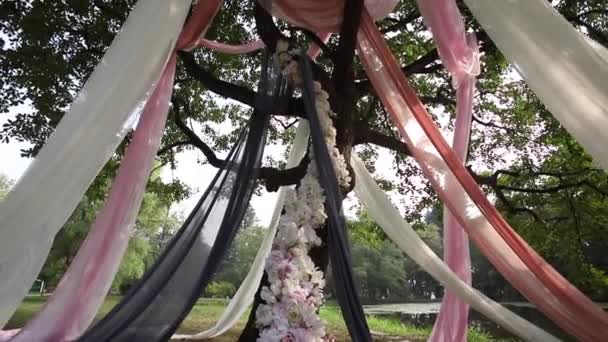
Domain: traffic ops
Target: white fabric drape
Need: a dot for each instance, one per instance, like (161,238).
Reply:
(246,292)
(599,49)
(559,65)
(84,140)
(399,231)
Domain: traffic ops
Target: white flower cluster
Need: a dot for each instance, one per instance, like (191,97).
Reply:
(291,302)
(324,112)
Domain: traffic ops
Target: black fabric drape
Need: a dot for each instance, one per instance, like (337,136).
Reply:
(153,309)
(339,250)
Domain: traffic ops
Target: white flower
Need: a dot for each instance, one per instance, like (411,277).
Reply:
(316,277)
(317,86)
(288,234)
(276,288)
(313,322)
(323,95)
(298,250)
(322,106)
(306,264)
(308,235)
(316,296)
(270,335)
(280,311)
(263,315)
(267,295)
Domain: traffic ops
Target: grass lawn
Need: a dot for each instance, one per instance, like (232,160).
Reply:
(207,311)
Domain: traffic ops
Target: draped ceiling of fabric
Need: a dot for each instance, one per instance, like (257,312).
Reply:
(572,86)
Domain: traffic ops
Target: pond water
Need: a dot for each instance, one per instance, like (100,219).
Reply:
(424,314)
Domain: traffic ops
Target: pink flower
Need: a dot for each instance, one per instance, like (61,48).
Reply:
(289,338)
(297,294)
(301,335)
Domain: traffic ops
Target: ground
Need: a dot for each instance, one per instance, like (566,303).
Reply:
(207,311)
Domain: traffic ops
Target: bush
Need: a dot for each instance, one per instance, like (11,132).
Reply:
(220,289)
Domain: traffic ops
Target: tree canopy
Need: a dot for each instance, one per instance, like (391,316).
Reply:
(541,179)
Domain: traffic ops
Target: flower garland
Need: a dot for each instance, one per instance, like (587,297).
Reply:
(291,302)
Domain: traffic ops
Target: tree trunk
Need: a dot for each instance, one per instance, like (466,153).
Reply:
(343,102)
(319,256)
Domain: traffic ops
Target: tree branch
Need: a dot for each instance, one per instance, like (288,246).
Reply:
(401,23)
(244,95)
(169,147)
(503,199)
(550,189)
(274,178)
(419,66)
(222,88)
(365,135)
(192,137)
(491,124)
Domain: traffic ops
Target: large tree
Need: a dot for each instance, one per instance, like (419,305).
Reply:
(545,184)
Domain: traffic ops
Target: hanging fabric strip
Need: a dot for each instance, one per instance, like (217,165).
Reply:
(460,56)
(401,233)
(599,49)
(339,250)
(198,23)
(245,294)
(82,289)
(314,50)
(67,315)
(564,71)
(153,309)
(559,300)
(231,49)
(84,140)
(451,323)
(140,295)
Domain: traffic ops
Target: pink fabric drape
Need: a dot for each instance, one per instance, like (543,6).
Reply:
(83,287)
(460,56)
(458,51)
(322,16)
(237,49)
(451,323)
(198,23)
(525,269)
(314,50)
(231,49)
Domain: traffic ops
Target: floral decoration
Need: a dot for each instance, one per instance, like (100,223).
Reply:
(291,302)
